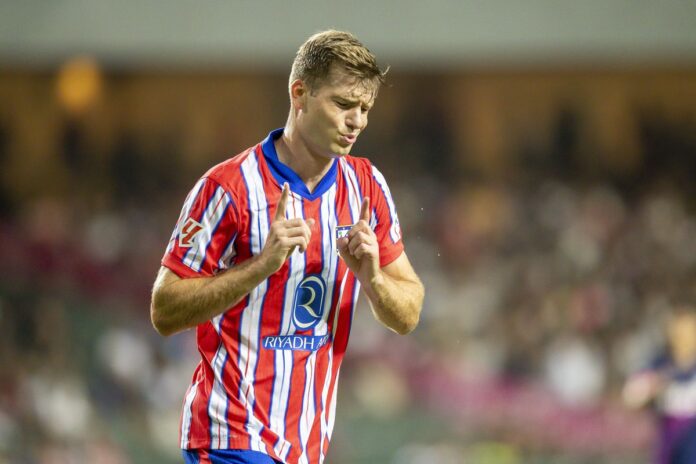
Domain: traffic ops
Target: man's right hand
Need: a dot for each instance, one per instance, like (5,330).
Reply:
(285,235)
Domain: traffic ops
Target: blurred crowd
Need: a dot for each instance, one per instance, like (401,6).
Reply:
(547,284)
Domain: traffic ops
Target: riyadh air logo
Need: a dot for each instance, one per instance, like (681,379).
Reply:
(189,230)
(309,302)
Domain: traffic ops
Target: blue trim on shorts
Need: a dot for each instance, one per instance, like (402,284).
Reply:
(229,457)
(190,457)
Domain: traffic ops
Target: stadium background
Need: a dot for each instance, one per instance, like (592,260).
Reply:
(542,159)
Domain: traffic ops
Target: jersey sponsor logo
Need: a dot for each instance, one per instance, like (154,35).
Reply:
(309,302)
(189,230)
(295,342)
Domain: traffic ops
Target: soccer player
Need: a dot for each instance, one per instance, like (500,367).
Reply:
(669,385)
(266,262)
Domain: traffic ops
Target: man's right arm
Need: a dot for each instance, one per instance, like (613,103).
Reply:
(179,304)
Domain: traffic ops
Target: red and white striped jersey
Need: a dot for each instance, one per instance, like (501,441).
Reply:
(269,365)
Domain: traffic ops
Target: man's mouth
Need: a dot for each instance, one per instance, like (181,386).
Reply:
(348,139)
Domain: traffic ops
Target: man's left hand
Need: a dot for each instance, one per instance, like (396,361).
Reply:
(359,248)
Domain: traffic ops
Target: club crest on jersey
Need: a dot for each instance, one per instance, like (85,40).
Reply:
(188,232)
(308,308)
(342,231)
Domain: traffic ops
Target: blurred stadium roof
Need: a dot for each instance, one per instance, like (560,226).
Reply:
(408,33)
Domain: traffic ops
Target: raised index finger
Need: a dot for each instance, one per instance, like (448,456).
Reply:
(365,210)
(282,203)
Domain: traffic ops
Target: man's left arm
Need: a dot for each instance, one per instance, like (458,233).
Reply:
(396,295)
(395,292)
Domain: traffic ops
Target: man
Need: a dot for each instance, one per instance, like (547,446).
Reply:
(669,385)
(253,264)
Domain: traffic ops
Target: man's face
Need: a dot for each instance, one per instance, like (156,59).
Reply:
(334,113)
(682,333)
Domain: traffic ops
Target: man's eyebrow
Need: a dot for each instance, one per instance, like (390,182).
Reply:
(354,100)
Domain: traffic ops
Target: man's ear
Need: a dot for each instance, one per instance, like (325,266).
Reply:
(298,94)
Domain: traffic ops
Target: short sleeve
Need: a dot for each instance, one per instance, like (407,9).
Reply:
(385,220)
(202,243)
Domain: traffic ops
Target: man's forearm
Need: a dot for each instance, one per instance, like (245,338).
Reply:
(395,303)
(179,304)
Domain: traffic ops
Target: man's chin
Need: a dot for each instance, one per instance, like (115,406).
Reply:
(340,150)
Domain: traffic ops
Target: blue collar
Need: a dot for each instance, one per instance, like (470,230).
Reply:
(283,173)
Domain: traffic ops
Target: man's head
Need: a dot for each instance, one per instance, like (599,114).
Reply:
(681,333)
(333,84)
(328,49)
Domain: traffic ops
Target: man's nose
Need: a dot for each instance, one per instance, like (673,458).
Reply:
(356,119)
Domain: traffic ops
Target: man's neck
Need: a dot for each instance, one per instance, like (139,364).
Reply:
(294,153)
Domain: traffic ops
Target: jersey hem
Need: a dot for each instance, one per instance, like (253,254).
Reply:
(241,444)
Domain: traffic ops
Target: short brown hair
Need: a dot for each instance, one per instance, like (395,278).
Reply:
(322,50)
